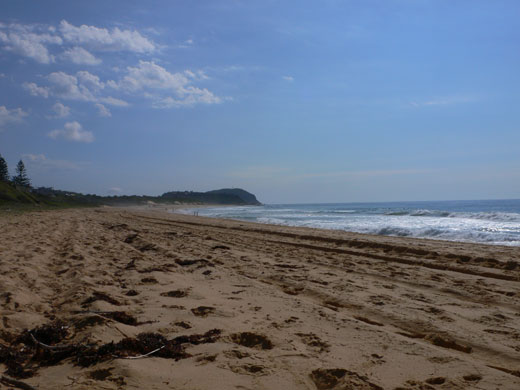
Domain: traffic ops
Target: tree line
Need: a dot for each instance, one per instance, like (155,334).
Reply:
(20,179)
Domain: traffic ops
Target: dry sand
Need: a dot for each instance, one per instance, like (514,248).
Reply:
(294,308)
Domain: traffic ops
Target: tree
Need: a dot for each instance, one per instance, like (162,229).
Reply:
(4,172)
(21,178)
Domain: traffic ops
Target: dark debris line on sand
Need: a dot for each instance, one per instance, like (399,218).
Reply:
(40,347)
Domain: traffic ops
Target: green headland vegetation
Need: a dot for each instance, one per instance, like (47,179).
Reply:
(17,193)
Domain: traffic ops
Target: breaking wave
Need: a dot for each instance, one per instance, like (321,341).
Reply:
(491,222)
(499,238)
(490,216)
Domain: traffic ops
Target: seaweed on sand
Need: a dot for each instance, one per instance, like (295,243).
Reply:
(47,346)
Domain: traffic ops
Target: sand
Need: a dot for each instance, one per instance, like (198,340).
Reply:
(289,308)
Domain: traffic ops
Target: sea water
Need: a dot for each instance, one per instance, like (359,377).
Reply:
(484,221)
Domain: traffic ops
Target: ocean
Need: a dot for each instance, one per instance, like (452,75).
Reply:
(484,221)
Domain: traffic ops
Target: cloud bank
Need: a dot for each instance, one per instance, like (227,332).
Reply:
(106,40)
(105,68)
(37,41)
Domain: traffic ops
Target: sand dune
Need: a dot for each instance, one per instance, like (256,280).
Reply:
(233,305)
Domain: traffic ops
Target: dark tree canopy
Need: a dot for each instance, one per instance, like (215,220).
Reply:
(4,172)
(21,178)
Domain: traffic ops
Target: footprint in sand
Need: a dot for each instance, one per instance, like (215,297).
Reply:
(338,378)
(251,340)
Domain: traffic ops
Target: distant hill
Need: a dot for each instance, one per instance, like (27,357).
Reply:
(226,196)
(46,197)
(247,197)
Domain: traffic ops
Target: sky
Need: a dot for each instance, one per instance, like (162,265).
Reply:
(294,101)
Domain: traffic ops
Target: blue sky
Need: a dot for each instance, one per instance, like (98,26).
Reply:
(295,101)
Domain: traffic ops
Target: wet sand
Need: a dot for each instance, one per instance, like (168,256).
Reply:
(267,307)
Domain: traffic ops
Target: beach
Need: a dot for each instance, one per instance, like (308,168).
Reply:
(200,303)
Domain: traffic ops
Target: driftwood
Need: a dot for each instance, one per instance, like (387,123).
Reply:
(51,347)
(140,356)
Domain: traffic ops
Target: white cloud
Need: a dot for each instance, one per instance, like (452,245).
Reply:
(146,80)
(445,101)
(186,44)
(288,78)
(33,41)
(236,68)
(115,190)
(80,56)
(29,41)
(35,90)
(66,86)
(103,39)
(83,86)
(150,78)
(61,110)
(90,81)
(42,161)
(72,131)
(103,111)
(148,75)
(113,101)
(195,96)
(79,44)
(34,157)
(197,75)
(14,115)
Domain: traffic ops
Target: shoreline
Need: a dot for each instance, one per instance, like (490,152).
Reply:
(439,240)
(337,235)
(294,307)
